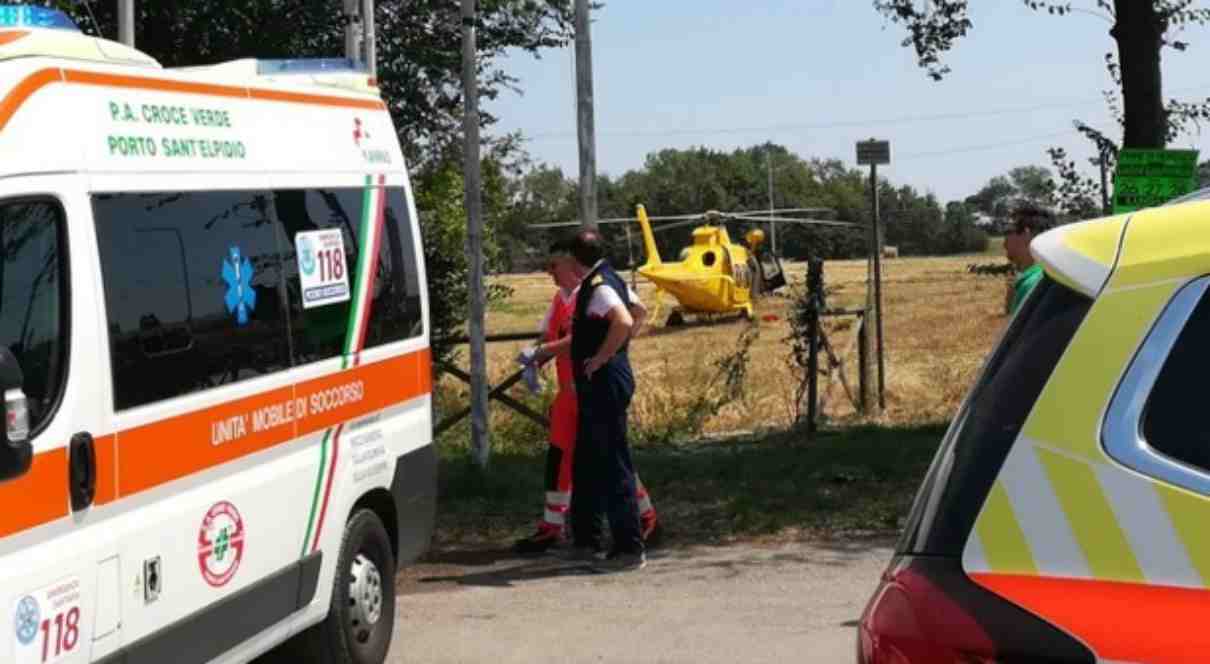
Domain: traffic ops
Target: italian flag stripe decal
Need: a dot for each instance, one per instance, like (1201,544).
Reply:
(373,206)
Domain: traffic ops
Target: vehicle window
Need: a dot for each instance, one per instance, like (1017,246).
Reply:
(396,314)
(33,299)
(1173,421)
(319,331)
(193,291)
(970,457)
(708,258)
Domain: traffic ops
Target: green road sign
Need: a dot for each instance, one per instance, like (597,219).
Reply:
(1146,178)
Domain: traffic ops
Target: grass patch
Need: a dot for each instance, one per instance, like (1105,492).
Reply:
(860,475)
(856,480)
(940,322)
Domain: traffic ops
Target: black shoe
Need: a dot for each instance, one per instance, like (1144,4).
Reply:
(583,554)
(539,542)
(621,562)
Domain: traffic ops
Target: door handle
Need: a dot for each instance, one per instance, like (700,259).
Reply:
(83,471)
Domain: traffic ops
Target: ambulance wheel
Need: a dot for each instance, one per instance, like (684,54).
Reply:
(362,616)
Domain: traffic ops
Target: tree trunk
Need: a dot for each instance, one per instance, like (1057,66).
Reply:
(1138,32)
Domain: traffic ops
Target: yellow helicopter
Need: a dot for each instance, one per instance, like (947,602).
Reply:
(714,276)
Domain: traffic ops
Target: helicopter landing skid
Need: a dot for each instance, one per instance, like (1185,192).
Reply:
(679,317)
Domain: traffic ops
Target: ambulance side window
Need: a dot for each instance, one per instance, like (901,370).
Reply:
(1174,421)
(396,313)
(33,299)
(319,331)
(192,291)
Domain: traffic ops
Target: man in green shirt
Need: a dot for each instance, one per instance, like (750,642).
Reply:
(1028,221)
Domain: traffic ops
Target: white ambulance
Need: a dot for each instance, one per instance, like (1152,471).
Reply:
(213,356)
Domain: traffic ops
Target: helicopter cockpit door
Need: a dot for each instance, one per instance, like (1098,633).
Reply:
(772,276)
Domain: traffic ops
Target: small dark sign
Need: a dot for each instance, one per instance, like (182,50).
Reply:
(873,152)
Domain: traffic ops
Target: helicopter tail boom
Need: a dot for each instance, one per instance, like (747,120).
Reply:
(653,252)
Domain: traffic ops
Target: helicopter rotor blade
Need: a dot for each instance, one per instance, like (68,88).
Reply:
(619,220)
(782,211)
(569,224)
(677,224)
(556,224)
(705,218)
(805,222)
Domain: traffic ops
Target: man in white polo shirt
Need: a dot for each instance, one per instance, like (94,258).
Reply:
(564,414)
(603,473)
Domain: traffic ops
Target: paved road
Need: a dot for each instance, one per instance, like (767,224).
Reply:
(740,603)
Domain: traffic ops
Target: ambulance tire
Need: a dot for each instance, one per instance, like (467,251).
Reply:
(342,638)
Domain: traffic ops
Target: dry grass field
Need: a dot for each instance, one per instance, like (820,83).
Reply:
(743,473)
(939,323)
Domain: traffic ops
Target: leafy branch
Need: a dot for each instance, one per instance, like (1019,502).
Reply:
(930,33)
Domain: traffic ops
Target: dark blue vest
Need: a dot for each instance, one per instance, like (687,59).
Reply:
(587,333)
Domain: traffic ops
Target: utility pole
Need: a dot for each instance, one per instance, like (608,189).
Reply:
(772,224)
(586,129)
(360,37)
(872,153)
(126,22)
(878,286)
(370,37)
(352,21)
(480,442)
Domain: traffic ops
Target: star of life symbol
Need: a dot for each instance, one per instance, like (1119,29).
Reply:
(27,619)
(306,255)
(241,297)
(359,132)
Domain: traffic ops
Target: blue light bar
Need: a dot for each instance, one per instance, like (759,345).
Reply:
(310,66)
(26,16)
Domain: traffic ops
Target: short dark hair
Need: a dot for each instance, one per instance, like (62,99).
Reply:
(560,247)
(587,247)
(1034,218)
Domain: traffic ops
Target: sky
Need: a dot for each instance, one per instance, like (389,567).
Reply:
(819,75)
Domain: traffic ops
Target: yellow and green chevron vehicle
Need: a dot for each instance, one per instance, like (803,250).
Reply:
(1066,516)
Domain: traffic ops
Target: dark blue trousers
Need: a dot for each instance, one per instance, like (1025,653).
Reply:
(602,471)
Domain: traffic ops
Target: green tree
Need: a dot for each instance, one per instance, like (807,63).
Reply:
(690,182)
(439,200)
(913,222)
(1140,30)
(419,74)
(994,198)
(540,196)
(1034,184)
(419,48)
(1023,184)
(961,234)
(1203,174)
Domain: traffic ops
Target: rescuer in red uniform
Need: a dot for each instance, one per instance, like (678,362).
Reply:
(556,343)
